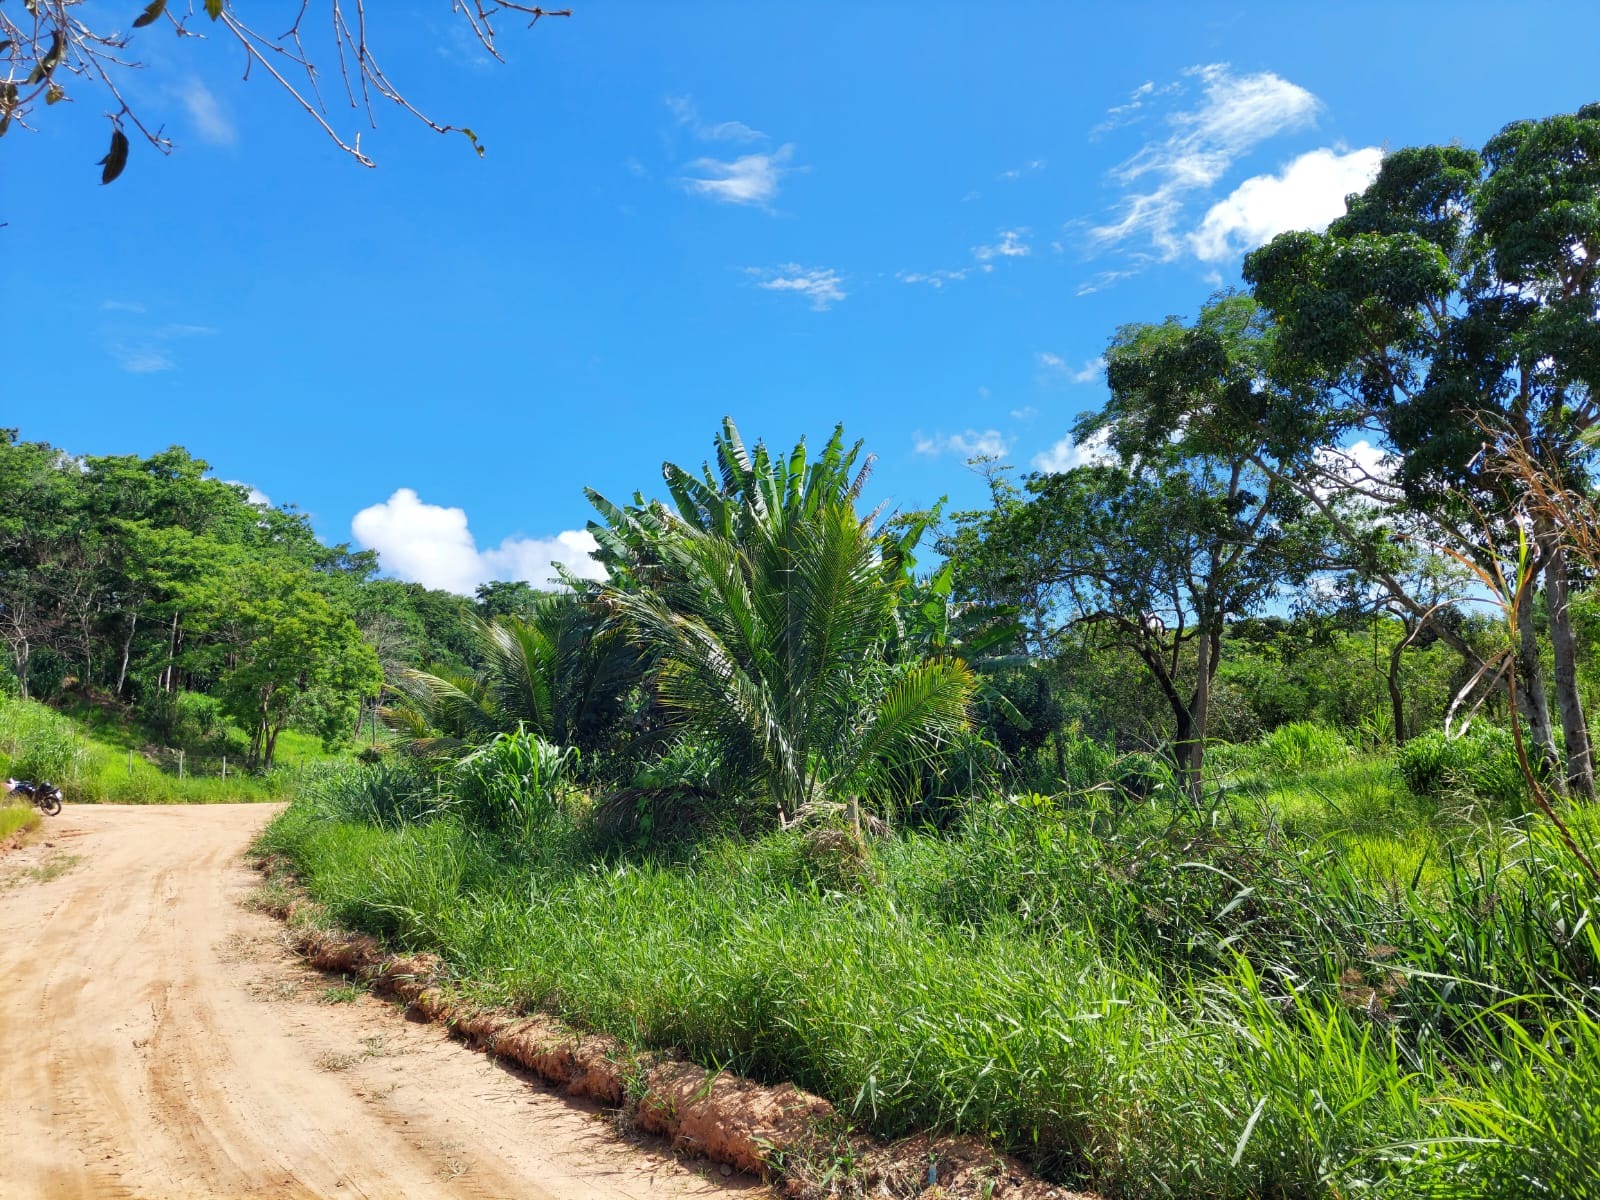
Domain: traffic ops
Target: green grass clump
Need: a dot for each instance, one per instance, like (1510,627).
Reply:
(17,818)
(1147,1001)
(1302,746)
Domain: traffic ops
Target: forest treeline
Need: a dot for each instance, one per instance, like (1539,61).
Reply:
(1341,494)
(147,583)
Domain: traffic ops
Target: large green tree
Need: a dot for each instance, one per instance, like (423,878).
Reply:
(1452,307)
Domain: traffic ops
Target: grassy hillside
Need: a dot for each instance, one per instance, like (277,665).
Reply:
(98,755)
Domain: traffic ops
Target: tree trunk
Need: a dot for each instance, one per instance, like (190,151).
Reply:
(127,650)
(1531,699)
(172,657)
(1397,704)
(1207,647)
(1564,641)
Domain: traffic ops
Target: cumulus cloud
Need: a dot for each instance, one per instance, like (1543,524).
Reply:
(749,179)
(824,287)
(433,545)
(1067,454)
(1010,245)
(206,115)
(988,443)
(1307,194)
(256,495)
(1235,114)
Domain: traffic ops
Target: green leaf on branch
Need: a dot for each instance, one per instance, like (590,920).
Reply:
(116,158)
(54,93)
(473,138)
(151,13)
(213,9)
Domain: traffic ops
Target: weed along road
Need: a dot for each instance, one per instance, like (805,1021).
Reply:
(157,1040)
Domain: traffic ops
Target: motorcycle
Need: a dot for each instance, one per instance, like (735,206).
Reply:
(46,797)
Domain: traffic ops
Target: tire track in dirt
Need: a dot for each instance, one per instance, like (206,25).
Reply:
(157,1040)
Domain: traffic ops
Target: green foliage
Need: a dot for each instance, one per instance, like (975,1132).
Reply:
(1302,746)
(1482,763)
(1139,1001)
(768,607)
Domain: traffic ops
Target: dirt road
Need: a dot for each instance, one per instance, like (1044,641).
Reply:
(157,1040)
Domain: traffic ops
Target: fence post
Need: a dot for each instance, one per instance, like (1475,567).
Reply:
(180,764)
(224,766)
(130,764)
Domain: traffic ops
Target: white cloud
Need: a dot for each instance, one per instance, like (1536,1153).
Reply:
(256,496)
(209,121)
(687,114)
(934,279)
(1026,413)
(1067,454)
(141,360)
(1236,113)
(749,179)
(989,443)
(1307,194)
(1054,366)
(1010,245)
(1027,168)
(127,306)
(822,286)
(432,545)
(1126,114)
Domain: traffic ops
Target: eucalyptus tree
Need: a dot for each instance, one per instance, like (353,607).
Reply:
(1454,306)
(767,604)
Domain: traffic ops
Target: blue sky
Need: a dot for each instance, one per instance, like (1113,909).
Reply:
(922,220)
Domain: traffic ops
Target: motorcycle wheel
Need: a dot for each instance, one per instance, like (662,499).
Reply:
(50,803)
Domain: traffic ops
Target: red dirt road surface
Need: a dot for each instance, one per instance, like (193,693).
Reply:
(157,1040)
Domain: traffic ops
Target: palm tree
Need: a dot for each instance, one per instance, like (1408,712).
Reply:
(769,607)
(558,673)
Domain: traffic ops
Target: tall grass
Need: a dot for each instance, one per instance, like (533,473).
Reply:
(1149,1002)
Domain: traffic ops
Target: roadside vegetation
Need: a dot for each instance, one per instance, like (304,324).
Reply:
(1213,819)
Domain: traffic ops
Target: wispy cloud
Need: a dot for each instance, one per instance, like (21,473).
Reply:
(141,359)
(1010,245)
(688,115)
(1235,113)
(1027,168)
(122,306)
(206,115)
(1135,108)
(1307,194)
(146,351)
(749,179)
(987,443)
(1054,367)
(934,279)
(1025,413)
(823,286)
